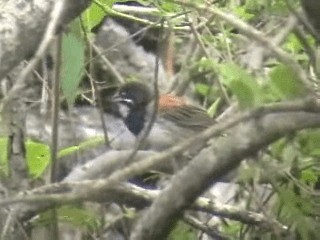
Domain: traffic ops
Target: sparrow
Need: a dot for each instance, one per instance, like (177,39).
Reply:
(176,119)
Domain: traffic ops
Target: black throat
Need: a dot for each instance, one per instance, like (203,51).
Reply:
(135,120)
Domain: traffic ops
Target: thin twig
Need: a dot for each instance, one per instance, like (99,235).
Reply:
(106,61)
(255,34)
(145,134)
(55,109)
(201,44)
(6,226)
(113,12)
(141,139)
(196,223)
(137,168)
(96,92)
(55,131)
(136,9)
(47,38)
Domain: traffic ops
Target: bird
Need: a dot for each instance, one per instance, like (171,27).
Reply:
(176,119)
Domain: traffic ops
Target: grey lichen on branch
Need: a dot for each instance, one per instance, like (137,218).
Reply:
(22,25)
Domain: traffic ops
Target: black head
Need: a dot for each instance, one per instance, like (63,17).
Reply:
(132,100)
(133,94)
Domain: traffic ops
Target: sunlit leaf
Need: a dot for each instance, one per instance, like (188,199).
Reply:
(93,16)
(129,212)
(242,85)
(212,110)
(78,217)
(278,147)
(310,142)
(285,83)
(38,157)
(293,44)
(182,232)
(244,93)
(309,176)
(202,89)
(243,13)
(74,215)
(82,146)
(205,64)
(232,229)
(294,208)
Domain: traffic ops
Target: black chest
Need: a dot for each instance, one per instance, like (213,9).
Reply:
(135,120)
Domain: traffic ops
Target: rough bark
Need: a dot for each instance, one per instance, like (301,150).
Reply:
(22,24)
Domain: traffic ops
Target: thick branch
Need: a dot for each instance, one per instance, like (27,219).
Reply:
(246,137)
(22,24)
(138,197)
(214,162)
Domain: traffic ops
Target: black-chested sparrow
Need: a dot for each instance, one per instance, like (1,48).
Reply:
(175,120)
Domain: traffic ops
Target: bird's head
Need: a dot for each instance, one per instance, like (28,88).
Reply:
(132,96)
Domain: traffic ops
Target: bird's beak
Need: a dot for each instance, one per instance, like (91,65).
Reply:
(119,99)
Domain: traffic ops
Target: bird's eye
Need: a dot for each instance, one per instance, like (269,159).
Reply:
(126,98)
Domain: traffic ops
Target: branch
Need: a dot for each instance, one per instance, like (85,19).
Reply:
(104,165)
(132,195)
(224,155)
(250,132)
(22,25)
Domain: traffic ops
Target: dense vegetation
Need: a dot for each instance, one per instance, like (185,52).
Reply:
(245,62)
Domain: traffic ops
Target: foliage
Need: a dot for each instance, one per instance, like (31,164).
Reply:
(38,154)
(81,147)
(76,216)
(72,66)
(182,232)
(222,78)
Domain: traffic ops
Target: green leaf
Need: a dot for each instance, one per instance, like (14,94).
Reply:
(93,16)
(74,215)
(38,157)
(278,147)
(244,93)
(78,217)
(202,89)
(242,85)
(72,65)
(285,83)
(67,151)
(212,110)
(293,44)
(243,13)
(309,176)
(130,213)
(295,209)
(310,142)
(182,232)
(232,229)
(82,146)
(206,64)
(167,6)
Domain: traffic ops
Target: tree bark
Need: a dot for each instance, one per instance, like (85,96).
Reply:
(22,24)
